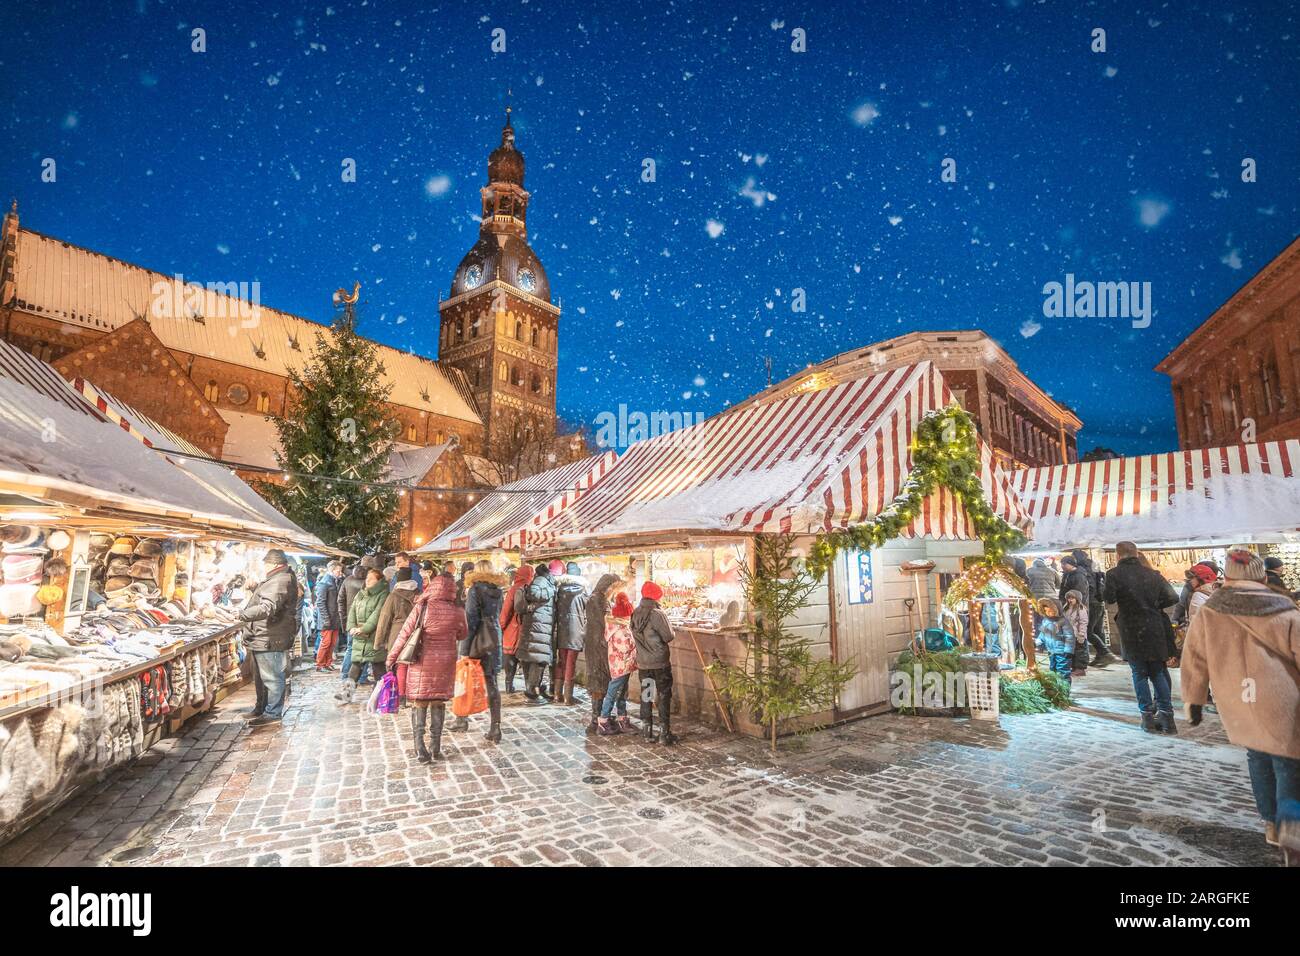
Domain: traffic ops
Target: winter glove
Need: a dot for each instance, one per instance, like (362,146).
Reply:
(1194,714)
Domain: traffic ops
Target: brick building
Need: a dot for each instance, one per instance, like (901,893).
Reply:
(1236,378)
(1024,425)
(210,362)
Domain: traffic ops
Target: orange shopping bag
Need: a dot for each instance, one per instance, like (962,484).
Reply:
(471,692)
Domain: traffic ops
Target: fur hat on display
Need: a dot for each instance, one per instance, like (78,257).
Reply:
(19,537)
(148,548)
(100,541)
(21,568)
(124,545)
(58,540)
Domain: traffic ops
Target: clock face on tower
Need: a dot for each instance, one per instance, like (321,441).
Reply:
(527,281)
(473,276)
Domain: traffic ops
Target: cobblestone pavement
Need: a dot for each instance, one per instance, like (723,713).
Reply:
(338,786)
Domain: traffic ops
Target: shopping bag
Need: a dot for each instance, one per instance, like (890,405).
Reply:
(471,692)
(384,699)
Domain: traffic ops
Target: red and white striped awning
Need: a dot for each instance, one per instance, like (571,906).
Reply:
(813,461)
(1239,494)
(503,518)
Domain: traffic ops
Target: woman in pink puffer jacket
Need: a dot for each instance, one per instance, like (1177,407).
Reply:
(431,677)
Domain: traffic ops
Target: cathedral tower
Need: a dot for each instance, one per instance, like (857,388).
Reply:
(498,324)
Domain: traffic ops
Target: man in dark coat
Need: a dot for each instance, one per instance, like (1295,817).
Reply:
(653,635)
(270,626)
(326,600)
(570,628)
(1145,633)
(535,606)
(595,651)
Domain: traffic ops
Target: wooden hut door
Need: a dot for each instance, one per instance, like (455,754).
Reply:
(860,631)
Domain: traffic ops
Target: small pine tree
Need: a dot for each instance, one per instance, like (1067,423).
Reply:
(336,426)
(780,678)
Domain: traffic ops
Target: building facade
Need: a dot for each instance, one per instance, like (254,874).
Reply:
(498,326)
(1025,426)
(210,362)
(1236,378)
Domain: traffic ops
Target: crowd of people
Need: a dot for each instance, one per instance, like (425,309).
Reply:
(529,624)
(1234,629)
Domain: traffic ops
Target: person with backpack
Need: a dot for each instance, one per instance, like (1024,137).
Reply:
(1145,634)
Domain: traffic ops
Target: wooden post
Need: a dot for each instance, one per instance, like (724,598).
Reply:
(1027,632)
(976,625)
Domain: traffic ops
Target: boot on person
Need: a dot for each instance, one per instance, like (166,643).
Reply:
(605,727)
(625,725)
(568,693)
(648,723)
(1149,721)
(1165,723)
(418,715)
(459,724)
(493,735)
(593,724)
(437,718)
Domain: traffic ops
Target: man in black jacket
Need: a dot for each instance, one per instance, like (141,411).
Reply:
(270,626)
(1145,633)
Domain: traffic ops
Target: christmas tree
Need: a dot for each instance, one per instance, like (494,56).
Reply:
(335,440)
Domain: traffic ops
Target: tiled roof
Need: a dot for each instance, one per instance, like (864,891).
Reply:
(81,287)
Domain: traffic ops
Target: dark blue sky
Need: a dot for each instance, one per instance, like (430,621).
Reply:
(821,169)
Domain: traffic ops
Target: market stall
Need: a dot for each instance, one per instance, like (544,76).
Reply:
(122,561)
(1179,507)
(497,527)
(867,475)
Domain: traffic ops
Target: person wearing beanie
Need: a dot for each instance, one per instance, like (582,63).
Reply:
(654,635)
(595,652)
(1273,575)
(466,569)
(403,560)
(535,606)
(1145,633)
(270,626)
(621,659)
(570,628)
(484,595)
(1248,636)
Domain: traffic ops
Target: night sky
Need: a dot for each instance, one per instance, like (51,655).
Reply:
(775,170)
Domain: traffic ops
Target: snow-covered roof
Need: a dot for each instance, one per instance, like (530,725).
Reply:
(811,461)
(1235,494)
(84,288)
(503,518)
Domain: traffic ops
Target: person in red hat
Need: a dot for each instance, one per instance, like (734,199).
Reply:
(621,656)
(1204,582)
(653,635)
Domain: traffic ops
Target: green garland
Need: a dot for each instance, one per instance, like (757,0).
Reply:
(945,451)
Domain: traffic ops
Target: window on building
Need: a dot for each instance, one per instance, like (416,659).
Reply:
(503,373)
(212,391)
(536,383)
(473,329)
(1235,402)
(263,402)
(519,330)
(517,376)
(411,432)
(959,395)
(460,331)
(536,336)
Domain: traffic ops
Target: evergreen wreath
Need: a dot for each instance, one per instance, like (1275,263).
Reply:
(945,452)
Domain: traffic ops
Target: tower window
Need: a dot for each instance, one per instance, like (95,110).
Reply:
(536,383)
(503,373)
(516,377)
(460,331)
(536,337)
(519,331)
(212,391)
(410,432)
(473,329)
(263,402)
